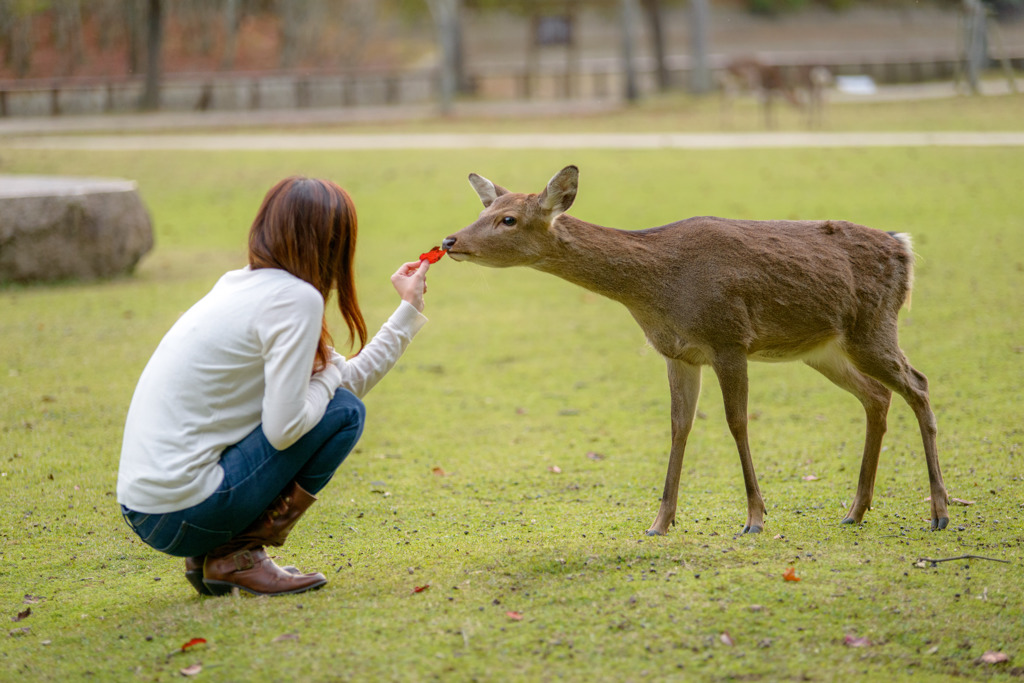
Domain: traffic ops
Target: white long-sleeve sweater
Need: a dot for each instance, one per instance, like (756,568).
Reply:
(239,358)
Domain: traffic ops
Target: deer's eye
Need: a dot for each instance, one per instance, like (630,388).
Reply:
(509,220)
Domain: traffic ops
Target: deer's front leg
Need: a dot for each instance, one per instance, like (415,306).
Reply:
(684,383)
(731,367)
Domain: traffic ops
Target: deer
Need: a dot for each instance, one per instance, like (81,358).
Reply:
(722,292)
(802,86)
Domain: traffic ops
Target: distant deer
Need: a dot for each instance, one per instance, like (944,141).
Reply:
(720,292)
(802,86)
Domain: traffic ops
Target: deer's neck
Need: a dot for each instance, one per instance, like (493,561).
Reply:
(610,262)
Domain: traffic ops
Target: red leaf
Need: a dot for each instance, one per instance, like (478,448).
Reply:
(420,589)
(514,616)
(434,255)
(790,574)
(439,471)
(193,642)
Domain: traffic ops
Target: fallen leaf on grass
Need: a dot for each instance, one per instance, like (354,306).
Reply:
(954,501)
(790,574)
(726,639)
(420,589)
(514,616)
(191,670)
(594,456)
(994,657)
(193,643)
(555,469)
(809,477)
(24,614)
(854,641)
(439,471)
(285,636)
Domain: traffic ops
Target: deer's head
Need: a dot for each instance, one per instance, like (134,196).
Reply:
(513,229)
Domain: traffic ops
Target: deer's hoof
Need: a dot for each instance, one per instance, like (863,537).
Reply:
(752,529)
(848,520)
(940,523)
(654,532)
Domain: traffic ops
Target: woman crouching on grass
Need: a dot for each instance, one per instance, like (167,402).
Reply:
(244,412)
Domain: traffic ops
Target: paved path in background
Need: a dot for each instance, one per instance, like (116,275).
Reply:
(400,141)
(224,130)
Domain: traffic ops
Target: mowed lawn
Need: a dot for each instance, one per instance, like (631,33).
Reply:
(514,458)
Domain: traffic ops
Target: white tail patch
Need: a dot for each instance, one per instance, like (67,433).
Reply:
(908,244)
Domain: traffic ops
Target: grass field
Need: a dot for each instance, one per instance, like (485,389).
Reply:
(531,571)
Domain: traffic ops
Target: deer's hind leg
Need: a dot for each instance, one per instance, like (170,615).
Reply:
(884,360)
(875,398)
(684,383)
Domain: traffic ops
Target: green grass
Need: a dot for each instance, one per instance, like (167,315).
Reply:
(519,372)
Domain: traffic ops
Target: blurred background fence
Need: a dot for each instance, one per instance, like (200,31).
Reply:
(64,57)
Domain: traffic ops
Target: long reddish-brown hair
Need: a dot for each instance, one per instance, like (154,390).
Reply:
(307,226)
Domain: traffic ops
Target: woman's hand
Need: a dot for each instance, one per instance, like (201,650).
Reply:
(410,281)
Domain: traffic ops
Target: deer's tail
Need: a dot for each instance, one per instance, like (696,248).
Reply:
(908,249)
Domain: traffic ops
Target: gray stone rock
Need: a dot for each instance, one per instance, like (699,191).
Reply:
(59,228)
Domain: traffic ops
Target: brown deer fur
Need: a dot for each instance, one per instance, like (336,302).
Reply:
(720,292)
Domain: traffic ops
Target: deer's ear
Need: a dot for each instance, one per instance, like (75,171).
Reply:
(560,193)
(487,190)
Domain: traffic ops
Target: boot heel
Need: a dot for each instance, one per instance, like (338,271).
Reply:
(195,577)
(218,587)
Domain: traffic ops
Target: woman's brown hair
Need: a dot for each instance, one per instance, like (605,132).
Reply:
(308,227)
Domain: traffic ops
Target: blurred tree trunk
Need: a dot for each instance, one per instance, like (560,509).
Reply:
(67,34)
(133,28)
(459,64)
(627,10)
(291,14)
(700,71)
(18,32)
(232,22)
(154,38)
(652,9)
(975,42)
(446,18)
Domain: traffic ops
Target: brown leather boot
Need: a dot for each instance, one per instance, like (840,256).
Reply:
(194,573)
(243,563)
(252,571)
(279,519)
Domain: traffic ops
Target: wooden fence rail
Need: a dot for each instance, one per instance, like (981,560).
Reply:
(595,78)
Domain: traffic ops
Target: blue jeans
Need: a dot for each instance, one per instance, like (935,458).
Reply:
(254,475)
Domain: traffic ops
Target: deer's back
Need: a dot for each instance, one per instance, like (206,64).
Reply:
(779,288)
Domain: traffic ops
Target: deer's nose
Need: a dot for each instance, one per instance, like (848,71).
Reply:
(448,243)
